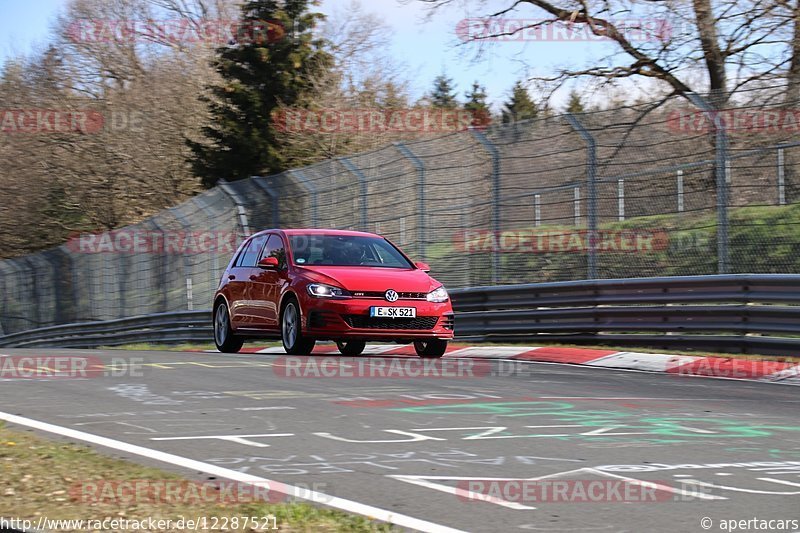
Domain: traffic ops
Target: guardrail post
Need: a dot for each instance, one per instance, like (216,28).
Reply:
(496,188)
(781,177)
(314,195)
(591,196)
(422,233)
(721,175)
(362,182)
(225,187)
(268,187)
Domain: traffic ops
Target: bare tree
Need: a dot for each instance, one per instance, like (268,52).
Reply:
(365,77)
(713,47)
(142,88)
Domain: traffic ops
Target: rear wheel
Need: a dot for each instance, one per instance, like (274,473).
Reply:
(291,332)
(224,338)
(351,347)
(433,348)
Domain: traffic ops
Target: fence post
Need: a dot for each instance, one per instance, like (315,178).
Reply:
(620,200)
(537,210)
(721,139)
(162,275)
(268,187)
(591,195)
(187,267)
(680,192)
(496,187)
(189,295)
(464,225)
(225,187)
(312,190)
(576,205)
(781,177)
(422,233)
(362,181)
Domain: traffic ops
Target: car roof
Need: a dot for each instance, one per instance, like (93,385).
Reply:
(322,231)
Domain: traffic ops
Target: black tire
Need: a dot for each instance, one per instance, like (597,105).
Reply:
(292,330)
(430,349)
(351,347)
(224,337)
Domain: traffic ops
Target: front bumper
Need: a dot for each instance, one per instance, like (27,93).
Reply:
(349,319)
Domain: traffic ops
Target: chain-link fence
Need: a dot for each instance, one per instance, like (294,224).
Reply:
(645,190)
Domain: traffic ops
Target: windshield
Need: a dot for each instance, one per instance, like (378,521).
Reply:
(346,250)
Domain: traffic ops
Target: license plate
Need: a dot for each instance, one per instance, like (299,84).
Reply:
(393,312)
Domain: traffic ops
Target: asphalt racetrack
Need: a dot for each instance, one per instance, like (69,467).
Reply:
(497,446)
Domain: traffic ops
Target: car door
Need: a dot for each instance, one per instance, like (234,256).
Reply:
(241,283)
(267,286)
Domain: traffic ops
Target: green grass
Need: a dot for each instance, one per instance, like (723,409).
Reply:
(761,240)
(40,477)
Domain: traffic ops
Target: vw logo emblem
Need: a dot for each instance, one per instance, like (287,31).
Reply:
(391,295)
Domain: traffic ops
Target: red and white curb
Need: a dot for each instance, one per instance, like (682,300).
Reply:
(685,365)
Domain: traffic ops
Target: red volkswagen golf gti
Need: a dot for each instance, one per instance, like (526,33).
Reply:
(346,286)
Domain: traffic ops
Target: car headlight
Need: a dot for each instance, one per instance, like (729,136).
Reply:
(320,290)
(438,295)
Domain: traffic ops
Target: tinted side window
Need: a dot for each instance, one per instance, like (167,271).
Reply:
(275,249)
(250,256)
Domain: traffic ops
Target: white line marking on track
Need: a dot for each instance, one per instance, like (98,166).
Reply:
(199,466)
(238,439)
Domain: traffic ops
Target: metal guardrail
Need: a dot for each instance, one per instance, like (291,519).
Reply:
(757,313)
(184,326)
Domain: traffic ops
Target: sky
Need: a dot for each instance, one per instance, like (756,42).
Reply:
(426,47)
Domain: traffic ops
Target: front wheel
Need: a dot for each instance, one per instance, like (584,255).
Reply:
(433,348)
(224,338)
(351,347)
(291,333)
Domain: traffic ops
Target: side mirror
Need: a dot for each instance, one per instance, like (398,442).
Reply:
(422,266)
(269,263)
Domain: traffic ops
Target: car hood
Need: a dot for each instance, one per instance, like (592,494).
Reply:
(372,278)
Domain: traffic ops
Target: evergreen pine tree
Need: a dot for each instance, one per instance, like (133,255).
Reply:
(271,62)
(477,106)
(520,106)
(575,103)
(443,96)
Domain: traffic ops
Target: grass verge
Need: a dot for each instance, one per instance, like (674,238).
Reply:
(40,478)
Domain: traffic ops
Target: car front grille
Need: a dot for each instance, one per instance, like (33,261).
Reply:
(380,294)
(367,322)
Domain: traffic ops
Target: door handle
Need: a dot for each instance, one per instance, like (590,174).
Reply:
(231,277)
